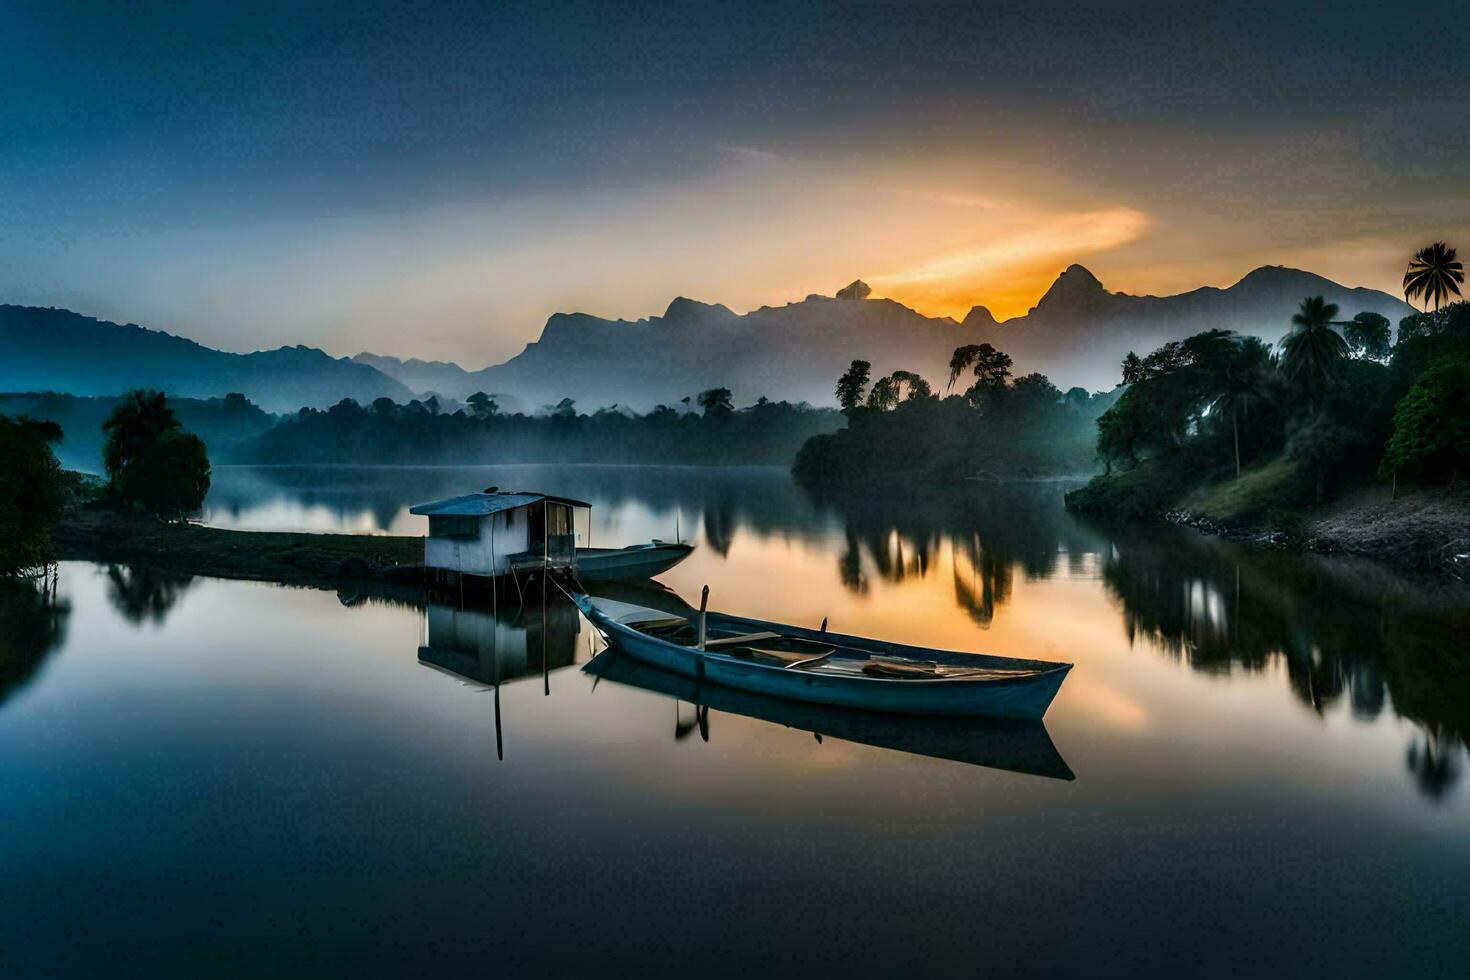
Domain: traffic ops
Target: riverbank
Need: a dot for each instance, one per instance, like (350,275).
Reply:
(1417,530)
(1420,529)
(94,532)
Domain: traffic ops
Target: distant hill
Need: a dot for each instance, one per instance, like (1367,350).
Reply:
(1077,334)
(57,350)
(440,377)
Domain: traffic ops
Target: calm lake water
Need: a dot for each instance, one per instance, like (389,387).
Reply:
(1258,765)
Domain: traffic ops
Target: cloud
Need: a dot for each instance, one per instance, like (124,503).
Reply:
(1014,263)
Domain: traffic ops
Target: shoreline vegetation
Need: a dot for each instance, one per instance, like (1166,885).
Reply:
(1340,441)
(900,430)
(705,429)
(99,532)
(1335,444)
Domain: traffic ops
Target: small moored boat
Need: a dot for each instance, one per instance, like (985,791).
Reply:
(633,562)
(824,667)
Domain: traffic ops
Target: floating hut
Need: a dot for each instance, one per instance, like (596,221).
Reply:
(497,534)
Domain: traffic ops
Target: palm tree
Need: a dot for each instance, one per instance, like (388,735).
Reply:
(1241,384)
(1313,353)
(1434,273)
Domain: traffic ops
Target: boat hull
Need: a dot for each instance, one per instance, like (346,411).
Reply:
(994,743)
(610,564)
(1024,697)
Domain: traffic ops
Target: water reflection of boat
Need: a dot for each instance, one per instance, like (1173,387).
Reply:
(1015,746)
(827,668)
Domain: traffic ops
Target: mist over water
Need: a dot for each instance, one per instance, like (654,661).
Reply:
(331,780)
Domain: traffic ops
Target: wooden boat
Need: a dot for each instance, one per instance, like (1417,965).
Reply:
(992,743)
(633,562)
(823,667)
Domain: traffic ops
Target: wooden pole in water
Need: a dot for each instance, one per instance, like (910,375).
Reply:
(703,604)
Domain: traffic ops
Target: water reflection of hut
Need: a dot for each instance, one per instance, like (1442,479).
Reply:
(479,645)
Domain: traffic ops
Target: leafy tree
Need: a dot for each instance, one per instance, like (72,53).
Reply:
(1368,335)
(1076,398)
(884,395)
(1034,394)
(566,408)
(1132,369)
(850,386)
(133,427)
(1128,430)
(918,387)
(716,402)
(1320,447)
(1313,353)
(1431,424)
(30,492)
(1433,275)
(992,367)
(384,405)
(153,464)
(482,406)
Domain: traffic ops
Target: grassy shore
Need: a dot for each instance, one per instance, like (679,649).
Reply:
(1423,530)
(93,532)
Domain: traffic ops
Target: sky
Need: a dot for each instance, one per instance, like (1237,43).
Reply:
(434,180)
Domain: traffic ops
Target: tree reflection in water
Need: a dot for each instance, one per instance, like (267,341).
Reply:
(1342,632)
(145,595)
(32,624)
(991,529)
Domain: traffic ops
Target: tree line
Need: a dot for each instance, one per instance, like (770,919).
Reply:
(897,425)
(1341,402)
(704,429)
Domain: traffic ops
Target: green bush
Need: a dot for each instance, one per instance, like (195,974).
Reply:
(30,492)
(1431,424)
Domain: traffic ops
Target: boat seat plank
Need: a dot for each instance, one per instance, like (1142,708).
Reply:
(741,640)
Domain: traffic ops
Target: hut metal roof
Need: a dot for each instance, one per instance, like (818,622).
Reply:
(484,504)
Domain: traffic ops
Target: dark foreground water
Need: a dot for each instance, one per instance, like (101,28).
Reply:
(1256,768)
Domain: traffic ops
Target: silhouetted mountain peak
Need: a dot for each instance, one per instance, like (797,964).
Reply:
(1076,288)
(857,289)
(1271,278)
(979,316)
(684,310)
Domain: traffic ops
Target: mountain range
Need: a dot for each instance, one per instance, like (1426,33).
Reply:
(46,349)
(1077,334)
